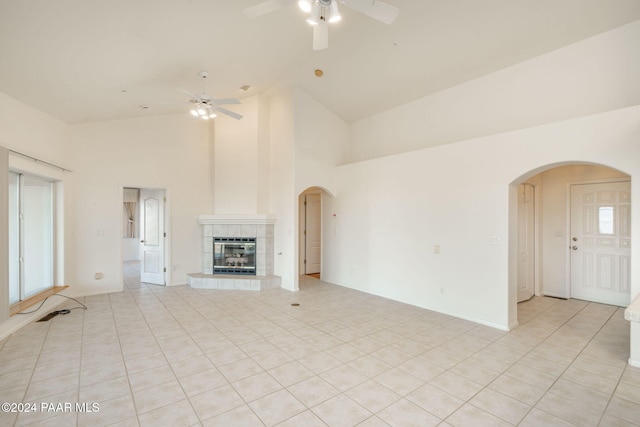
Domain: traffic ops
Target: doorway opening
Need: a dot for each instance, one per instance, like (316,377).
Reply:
(579,238)
(144,236)
(310,232)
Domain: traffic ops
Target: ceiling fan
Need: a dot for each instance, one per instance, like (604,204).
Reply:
(325,12)
(205,107)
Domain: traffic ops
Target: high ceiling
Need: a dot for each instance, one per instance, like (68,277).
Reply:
(90,60)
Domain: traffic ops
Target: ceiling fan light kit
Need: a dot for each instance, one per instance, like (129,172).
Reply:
(323,12)
(205,107)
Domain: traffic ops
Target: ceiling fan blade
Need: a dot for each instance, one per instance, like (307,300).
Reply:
(191,95)
(375,9)
(265,8)
(321,36)
(228,112)
(226,101)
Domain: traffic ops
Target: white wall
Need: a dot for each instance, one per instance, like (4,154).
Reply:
(171,152)
(592,76)
(236,160)
(321,144)
(282,179)
(393,210)
(554,234)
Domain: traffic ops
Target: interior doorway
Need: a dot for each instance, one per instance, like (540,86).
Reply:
(566,208)
(144,236)
(310,232)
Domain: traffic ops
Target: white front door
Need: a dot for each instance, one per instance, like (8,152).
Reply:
(313,233)
(600,242)
(152,269)
(526,242)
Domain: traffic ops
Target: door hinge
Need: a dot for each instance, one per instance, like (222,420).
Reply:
(305,203)
(165,234)
(165,269)
(305,261)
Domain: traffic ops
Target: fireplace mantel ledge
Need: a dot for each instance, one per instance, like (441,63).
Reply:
(225,219)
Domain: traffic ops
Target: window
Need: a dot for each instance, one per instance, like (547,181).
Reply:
(30,235)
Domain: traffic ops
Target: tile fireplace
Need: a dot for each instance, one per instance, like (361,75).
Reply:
(237,252)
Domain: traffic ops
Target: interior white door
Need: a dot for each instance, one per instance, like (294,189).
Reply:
(313,233)
(526,242)
(600,243)
(152,269)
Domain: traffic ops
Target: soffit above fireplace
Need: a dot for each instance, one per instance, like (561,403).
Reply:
(233,219)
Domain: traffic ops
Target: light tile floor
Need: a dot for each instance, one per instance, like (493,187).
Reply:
(159,356)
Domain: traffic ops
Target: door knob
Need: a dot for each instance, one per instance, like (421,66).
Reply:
(141,241)
(575,248)
(575,239)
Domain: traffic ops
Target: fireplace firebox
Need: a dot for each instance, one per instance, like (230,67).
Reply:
(234,255)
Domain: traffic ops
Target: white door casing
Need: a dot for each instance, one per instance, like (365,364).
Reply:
(313,233)
(526,242)
(600,242)
(152,269)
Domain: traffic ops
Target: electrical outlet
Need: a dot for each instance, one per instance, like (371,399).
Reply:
(436,249)
(99,276)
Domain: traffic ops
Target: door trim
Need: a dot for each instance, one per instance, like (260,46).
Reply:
(567,249)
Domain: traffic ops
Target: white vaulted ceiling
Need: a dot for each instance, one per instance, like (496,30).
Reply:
(89,60)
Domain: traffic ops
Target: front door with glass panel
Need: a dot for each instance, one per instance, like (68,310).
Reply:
(600,242)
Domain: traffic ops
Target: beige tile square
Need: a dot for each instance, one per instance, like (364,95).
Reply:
(111,411)
(215,402)
(256,386)
(456,385)
(272,359)
(568,410)
(343,377)
(241,416)
(176,414)
(421,369)
(38,390)
(475,373)
(290,373)
(406,413)
(469,415)
(158,396)
(243,368)
(581,394)
(369,366)
(312,391)
(306,419)
(537,418)
(107,390)
(319,362)
(373,396)
(150,378)
(517,389)
(624,409)
(102,373)
(341,411)
(500,405)
(202,381)
(399,381)
(436,401)
(188,367)
(276,407)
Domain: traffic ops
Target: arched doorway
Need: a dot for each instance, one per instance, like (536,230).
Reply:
(310,231)
(581,234)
